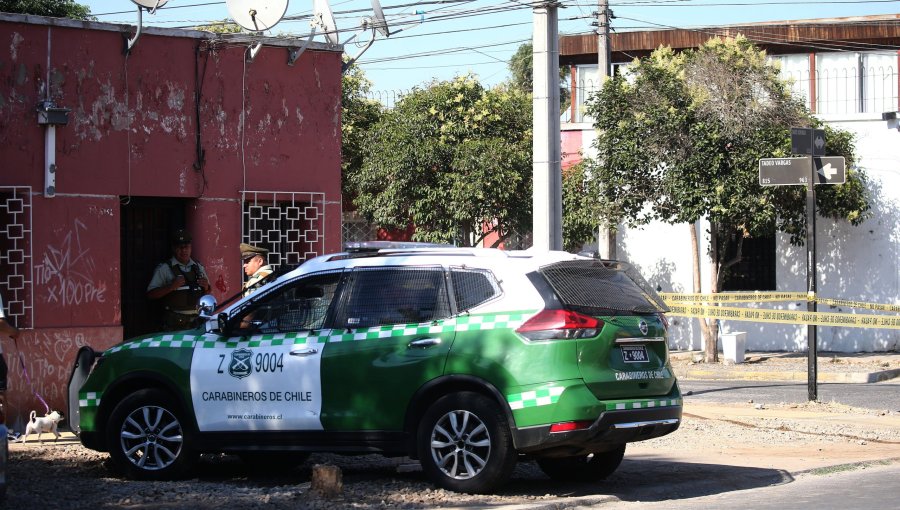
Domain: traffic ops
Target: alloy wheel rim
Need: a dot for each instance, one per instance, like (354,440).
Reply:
(460,444)
(151,438)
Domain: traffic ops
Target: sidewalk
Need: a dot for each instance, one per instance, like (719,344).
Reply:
(790,366)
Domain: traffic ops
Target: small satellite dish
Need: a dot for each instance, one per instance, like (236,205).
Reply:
(324,19)
(378,20)
(255,15)
(150,5)
(375,23)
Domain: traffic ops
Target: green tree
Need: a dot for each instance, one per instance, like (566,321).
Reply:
(521,67)
(52,8)
(452,159)
(359,114)
(680,138)
(225,26)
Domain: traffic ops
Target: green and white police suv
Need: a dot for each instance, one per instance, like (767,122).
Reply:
(465,359)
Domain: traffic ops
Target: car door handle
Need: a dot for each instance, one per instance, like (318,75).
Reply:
(424,343)
(304,352)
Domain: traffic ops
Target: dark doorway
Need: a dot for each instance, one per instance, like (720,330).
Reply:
(756,270)
(147,226)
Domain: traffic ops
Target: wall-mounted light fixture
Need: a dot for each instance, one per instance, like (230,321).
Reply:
(50,115)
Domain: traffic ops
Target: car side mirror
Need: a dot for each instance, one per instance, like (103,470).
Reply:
(206,306)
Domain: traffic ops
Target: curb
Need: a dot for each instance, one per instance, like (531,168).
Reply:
(829,377)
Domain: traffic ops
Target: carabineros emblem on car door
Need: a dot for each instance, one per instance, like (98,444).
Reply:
(241,365)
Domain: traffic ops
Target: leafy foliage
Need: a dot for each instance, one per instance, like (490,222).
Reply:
(454,160)
(521,69)
(681,137)
(52,8)
(225,26)
(359,114)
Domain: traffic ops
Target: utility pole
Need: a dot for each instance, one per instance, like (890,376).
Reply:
(547,169)
(606,234)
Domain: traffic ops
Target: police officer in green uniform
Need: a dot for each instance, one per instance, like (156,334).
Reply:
(178,284)
(255,267)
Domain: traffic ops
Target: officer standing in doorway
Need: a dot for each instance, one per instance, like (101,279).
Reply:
(178,284)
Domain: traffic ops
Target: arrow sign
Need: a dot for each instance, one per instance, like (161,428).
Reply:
(795,171)
(831,170)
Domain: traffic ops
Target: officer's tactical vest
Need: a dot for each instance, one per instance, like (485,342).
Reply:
(186,297)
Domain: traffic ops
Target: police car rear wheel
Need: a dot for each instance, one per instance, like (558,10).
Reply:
(583,468)
(146,437)
(465,443)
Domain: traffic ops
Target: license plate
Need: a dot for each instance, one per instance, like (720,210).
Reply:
(635,354)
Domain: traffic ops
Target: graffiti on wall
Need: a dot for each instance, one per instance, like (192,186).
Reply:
(41,363)
(67,271)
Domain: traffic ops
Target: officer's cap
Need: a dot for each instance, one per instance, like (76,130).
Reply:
(248,251)
(180,237)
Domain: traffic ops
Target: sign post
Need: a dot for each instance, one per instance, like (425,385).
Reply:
(808,170)
(803,141)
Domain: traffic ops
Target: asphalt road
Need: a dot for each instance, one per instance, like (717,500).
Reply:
(879,396)
(872,487)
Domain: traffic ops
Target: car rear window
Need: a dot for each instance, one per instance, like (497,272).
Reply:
(600,286)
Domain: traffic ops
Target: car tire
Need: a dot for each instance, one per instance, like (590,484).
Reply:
(147,437)
(582,468)
(465,445)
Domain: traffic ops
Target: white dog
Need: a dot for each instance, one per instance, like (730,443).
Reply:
(42,424)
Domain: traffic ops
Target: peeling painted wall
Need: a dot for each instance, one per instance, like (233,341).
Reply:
(185,116)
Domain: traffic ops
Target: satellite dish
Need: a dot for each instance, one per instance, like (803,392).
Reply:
(254,15)
(151,6)
(324,19)
(375,23)
(378,20)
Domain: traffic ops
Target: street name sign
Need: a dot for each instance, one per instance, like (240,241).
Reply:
(796,171)
(807,141)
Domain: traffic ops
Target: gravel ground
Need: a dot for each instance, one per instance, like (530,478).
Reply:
(73,477)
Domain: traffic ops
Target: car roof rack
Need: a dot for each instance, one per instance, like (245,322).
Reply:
(375,246)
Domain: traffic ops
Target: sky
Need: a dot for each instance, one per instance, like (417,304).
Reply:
(441,39)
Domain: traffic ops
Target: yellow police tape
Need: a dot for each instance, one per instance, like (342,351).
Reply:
(692,305)
(732,297)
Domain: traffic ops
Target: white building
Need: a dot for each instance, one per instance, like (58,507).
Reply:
(846,69)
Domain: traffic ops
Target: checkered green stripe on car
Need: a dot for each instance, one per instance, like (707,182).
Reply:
(88,399)
(642,404)
(535,398)
(473,322)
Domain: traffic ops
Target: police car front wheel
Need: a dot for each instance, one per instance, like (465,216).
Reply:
(146,437)
(465,444)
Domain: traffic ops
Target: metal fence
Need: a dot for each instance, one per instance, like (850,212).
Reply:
(16,262)
(291,225)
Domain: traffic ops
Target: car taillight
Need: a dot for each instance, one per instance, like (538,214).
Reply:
(559,324)
(665,321)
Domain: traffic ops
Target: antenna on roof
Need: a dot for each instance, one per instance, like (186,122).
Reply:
(151,6)
(322,20)
(378,24)
(256,16)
